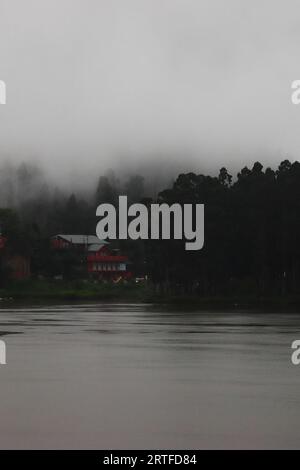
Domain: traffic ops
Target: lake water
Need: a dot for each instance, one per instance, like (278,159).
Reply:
(133,376)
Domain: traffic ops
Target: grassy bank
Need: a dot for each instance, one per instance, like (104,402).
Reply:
(57,290)
(73,290)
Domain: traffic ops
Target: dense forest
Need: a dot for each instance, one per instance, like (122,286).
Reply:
(252,229)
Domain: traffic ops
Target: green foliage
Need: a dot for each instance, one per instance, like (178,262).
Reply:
(252,231)
(73,290)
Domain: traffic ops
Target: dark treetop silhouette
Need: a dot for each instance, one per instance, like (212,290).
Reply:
(252,229)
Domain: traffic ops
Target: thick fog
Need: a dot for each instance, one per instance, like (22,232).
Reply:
(183,84)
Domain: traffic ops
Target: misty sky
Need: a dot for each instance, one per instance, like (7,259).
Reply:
(93,84)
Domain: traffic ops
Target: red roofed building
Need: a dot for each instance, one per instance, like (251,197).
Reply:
(106,264)
(3,241)
(17,265)
(102,262)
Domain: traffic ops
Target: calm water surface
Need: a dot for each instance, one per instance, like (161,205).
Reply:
(130,376)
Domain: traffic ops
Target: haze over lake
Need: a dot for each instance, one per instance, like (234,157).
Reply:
(134,376)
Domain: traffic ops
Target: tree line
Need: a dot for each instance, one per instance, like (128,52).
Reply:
(252,230)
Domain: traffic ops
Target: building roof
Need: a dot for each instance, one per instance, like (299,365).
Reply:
(83,239)
(96,246)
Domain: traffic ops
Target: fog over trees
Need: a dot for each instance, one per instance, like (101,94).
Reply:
(252,227)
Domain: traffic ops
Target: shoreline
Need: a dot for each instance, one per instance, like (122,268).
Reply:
(43,291)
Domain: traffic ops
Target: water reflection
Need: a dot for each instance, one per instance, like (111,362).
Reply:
(135,376)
